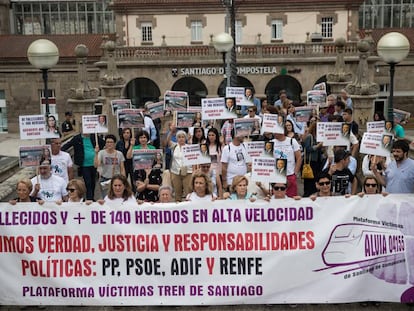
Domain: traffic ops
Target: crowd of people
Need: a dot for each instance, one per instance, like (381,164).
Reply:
(229,175)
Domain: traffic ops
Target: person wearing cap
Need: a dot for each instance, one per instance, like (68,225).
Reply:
(48,187)
(67,125)
(340,174)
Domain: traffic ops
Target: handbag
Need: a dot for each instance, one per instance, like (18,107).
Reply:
(307,171)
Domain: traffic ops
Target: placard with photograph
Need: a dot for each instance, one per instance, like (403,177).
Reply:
(156,110)
(147,158)
(316,98)
(175,100)
(132,118)
(30,156)
(215,109)
(334,133)
(376,127)
(244,127)
(264,170)
(118,104)
(37,127)
(320,86)
(273,123)
(304,113)
(94,124)
(235,92)
(184,118)
(376,144)
(193,155)
(254,148)
(401,116)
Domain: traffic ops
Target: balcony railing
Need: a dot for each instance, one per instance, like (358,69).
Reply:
(293,50)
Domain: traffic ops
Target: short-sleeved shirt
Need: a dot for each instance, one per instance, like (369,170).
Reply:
(110,163)
(286,150)
(236,158)
(400,179)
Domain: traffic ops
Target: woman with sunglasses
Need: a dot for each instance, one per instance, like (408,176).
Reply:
(323,186)
(76,190)
(371,186)
(279,192)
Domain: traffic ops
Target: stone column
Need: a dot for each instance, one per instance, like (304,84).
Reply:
(83,98)
(339,79)
(362,90)
(111,86)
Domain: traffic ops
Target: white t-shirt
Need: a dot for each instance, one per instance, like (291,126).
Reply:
(286,150)
(51,189)
(236,158)
(60,164)
(194,197)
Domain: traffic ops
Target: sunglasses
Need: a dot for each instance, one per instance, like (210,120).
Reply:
(71,189)
(279,188)
(324,183)
(371,185)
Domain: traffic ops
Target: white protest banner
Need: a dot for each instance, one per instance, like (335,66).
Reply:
(215,108)
(156,110)
(36,127)
(376,144)
(208,253)
(235,92)
(316,98)
(376,127)
(184,118)
(320,131)
(175,100)
(244,127)
(94,124)
(273,124)
(193,155)
(335,134)
(254,148)
(118,104)
(132,118)
(30,156)
(146,158)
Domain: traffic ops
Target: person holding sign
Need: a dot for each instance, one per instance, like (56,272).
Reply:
(202,188)
(48,187)
(239,190)
(109,161)
(23,189)
(180,173)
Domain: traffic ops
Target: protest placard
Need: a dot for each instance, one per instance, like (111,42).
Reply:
(215,109)
(264,170)
(376,144)
(244,127)
(184,118)
(273,123)
(118,104)
(146,158)
(316,98)
(254,148)
(235,92)
(333,133)
(193,155)
(30,156)
(175,100)
(94,124)
(156,110)
(37,127)
(132,118)
(376,127)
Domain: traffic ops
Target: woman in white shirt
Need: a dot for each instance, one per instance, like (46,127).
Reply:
(119,191)
(202,188)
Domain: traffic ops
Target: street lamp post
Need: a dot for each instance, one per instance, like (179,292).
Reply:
(393,47)
(223,43)
(43,54)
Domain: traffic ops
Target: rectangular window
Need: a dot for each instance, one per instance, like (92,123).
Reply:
(196,31)
(327,25)
(277,27)
(146,30)
(239,32)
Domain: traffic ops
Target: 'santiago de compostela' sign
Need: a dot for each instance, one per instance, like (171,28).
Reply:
(331,250)
(241,70)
